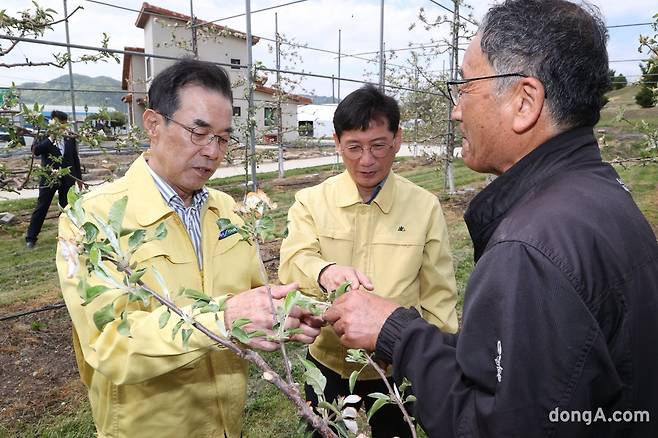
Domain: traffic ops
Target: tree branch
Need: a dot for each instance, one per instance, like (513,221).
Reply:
(393,395)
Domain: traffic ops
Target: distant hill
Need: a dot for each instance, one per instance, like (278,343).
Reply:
(320,100)
(80,82)
(625,97)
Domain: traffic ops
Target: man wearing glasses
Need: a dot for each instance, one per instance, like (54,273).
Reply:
(376,230)
(560,321)
(148,384)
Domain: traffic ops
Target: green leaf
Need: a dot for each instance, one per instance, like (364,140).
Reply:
(240,335)
(177,327)
(410,399)
(210,308)
(353,377)
(140,294)
(104,316)
(313,376)
(342,289)
(115,216)
(379,395)
(257,334)
(164,318)
(92,292)
(160,232)
(404,385)
(290,301)
(137,275)
(91,232)
(224,223)
(328,406)
(241,322)
(195,295)
(94,255)
(136,238)
(161,281)
(124,327)
(376,406)
(186,333)
(356,355)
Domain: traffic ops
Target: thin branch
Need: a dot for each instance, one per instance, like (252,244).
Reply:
(393,395)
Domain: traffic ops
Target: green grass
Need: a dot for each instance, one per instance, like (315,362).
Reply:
(26,274)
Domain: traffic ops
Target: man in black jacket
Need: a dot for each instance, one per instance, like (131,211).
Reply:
(55,154)
(560,323)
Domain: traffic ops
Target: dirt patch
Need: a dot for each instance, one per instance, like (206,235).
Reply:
(38,372)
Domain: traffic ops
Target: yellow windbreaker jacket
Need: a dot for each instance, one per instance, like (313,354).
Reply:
(399,240)
(148,384)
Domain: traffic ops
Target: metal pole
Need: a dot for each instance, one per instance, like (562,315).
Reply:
(381,47)
(415,153)
(339,31)
(195,50)
(251,113)
(333,89)
(279,134)
(68,50)
(454,67)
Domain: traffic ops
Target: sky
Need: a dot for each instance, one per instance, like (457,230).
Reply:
(312,22)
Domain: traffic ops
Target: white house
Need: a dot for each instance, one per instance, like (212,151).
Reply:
(167,33)
(316,120)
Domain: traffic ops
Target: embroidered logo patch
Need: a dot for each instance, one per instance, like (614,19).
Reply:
(401,228)
(498,360)
(227,232)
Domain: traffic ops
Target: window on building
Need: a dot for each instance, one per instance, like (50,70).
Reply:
(149,68)
(237,111)
(236,62)
(270,116)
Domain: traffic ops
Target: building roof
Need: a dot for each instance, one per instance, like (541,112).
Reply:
(317,112)
(127,59)
(301,100)
(148,10)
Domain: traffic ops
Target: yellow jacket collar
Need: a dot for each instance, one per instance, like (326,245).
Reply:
(348,193)
(138,176)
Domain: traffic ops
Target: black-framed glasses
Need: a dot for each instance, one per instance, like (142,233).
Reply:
(454,87)
(378,150)
(202,136)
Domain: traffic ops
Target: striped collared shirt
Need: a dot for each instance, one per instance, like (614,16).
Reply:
(191,216)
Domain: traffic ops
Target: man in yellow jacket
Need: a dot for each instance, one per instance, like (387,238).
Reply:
(148,384)
(375,229)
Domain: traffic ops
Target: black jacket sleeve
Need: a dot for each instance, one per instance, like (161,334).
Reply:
(526,345)
(76,169)
(42,147)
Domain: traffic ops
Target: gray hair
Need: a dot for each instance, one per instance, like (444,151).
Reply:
(558,42)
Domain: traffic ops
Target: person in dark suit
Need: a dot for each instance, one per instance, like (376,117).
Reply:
(55,154)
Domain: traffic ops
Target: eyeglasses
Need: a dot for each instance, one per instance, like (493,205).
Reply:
(455,91)
(378,150)
(203,137)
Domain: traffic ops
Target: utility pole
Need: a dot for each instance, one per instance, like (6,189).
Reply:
(454,67)
(381,47)
(68,50)
(251,113)
(195,50)
(279,116)
(338,66)
(415,152)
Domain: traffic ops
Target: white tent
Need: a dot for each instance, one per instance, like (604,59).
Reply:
(316,120)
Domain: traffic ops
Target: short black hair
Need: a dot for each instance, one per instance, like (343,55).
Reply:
(59,115)
(164,91)
(560,43)
(363,106)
